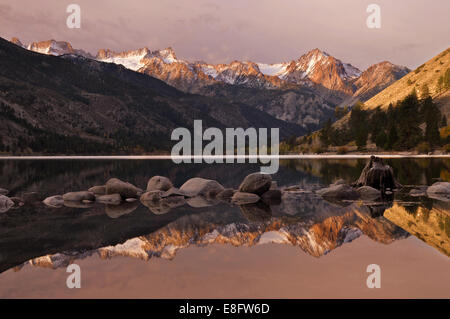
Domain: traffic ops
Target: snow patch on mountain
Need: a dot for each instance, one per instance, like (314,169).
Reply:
(278,69)
(132,62)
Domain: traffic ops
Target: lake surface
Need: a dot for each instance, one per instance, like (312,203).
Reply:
(304,247)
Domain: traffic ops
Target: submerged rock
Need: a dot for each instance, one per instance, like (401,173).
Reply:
(160,183)
(241,198)
(4,191)
(340,192)
(78,196)
(201,187)
(54,201)
(126,190)
(256,183)
(5,204)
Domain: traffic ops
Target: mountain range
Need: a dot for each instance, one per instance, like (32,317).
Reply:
(304,91)
(71,104)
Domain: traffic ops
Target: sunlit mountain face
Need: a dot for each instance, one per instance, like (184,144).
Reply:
(304,91)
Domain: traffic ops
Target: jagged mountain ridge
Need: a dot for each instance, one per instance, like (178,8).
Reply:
(331,81)
(73,98)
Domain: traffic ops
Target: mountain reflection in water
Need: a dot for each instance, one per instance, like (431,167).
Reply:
(55,237)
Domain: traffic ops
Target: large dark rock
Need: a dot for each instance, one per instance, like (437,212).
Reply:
(201,187)
(159,183)
(377,175)
(256,183)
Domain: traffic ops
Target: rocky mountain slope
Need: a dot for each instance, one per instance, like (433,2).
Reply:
(427,75)
(431,76)
(72,104)
(303,91)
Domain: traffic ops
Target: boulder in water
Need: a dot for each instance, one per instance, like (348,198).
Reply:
(126,190)
(201,187)
(159,183)
(79,196)
(339,192)
(368,193)
(256,183)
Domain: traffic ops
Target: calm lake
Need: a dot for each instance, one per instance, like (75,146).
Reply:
(305,247)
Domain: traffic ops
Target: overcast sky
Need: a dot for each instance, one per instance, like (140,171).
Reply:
(216,31)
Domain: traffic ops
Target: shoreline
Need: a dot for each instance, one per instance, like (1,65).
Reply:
(168,157)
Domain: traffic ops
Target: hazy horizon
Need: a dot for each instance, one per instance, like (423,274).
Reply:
(215,31)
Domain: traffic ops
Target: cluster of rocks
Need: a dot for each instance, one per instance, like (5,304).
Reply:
(439,191)
(376,182)
(114,192)
(161,195)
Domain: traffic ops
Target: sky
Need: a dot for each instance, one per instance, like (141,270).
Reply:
(220,31)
